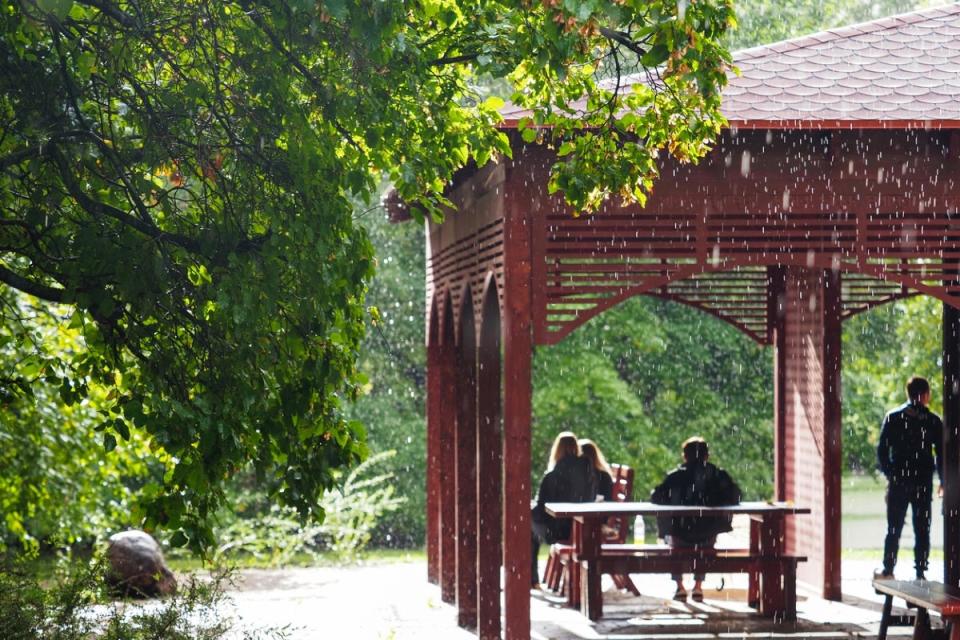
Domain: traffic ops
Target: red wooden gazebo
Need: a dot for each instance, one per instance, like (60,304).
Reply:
(832,191)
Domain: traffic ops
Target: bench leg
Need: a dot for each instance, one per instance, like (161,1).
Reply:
(885,618)
(921,628)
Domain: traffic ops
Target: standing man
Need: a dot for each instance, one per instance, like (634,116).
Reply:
(908,438)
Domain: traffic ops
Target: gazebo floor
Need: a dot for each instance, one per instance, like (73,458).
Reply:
(723,614)
(394,602)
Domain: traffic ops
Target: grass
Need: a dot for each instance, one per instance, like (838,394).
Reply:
(45,567)
(368,557)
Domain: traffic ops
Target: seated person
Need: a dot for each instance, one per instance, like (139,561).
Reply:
(601,473)
(696,482)
(568,479)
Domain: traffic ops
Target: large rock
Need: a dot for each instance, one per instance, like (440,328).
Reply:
(137,567)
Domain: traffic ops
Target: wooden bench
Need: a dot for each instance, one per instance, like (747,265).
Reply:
(925,595)
(626,559)
(772,571)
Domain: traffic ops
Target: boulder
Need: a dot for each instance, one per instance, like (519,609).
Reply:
(137,567)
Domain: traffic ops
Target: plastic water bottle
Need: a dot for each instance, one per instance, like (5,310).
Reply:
(639,530)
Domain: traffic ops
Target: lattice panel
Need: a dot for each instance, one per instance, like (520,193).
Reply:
(468,260)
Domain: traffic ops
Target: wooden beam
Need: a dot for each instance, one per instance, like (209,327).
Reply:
(518,353)
(951,445)
(448,433)
(832,431)
(434,419)
(466,466)
(776,335)
(489,467)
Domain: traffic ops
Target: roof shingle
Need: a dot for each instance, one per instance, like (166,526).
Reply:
(899,70)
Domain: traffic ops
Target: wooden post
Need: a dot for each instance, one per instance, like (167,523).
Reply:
(518,352)
(951,445)
(489,467)
(832,431)
(447,366)
(776,335)
(466,448)
(434,419)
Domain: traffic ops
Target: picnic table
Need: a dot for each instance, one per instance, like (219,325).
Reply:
(772,571)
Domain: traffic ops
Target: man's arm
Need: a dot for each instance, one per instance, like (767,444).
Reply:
(938,447)
(661,494)
(883,447)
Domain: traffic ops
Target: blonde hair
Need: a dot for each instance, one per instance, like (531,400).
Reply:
(590,451)
(565,444)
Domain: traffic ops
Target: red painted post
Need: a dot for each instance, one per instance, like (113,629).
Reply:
(447,360)
(489,468)
(518,351)
(951,445)
(434,418)
(777,336)
(832,431)
(466,465)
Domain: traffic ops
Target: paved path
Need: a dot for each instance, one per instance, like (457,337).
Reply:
(394,602)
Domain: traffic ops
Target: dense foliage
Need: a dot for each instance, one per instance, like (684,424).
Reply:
(178,189)
(179,177)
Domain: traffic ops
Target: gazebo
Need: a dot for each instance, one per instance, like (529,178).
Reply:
(832,191)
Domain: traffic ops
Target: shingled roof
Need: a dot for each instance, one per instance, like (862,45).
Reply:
(902,71)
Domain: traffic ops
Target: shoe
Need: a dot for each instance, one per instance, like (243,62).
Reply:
(882,574)
(697,595)
(921,575)
(680,595)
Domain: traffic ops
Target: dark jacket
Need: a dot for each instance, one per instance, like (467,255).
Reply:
(602,484)
(571,480)
(696,485)
(908,437)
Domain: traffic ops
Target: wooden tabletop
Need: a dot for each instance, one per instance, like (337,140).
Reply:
(607,509)
(924,593)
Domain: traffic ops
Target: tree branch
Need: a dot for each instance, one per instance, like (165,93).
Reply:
(35,289)
(112,11)
(623,38)
(95,207)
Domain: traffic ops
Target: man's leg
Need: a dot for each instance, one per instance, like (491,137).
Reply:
(897,501)
(921,507)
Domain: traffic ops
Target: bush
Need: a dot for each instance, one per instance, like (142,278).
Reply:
(75,608)
(275,535)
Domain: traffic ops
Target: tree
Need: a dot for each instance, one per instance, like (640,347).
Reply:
(179,177)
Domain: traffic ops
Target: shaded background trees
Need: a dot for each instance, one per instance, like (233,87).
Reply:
(638,379)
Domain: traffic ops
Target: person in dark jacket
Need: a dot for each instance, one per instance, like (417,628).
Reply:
(909,436)
(568,479)
(696,482)
(601,472)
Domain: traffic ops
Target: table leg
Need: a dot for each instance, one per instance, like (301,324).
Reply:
(885,618)
(772,596)
(573,570)
(591,603)
(921,628)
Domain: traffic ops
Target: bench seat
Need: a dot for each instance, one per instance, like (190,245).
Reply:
(925,595)
(657,560)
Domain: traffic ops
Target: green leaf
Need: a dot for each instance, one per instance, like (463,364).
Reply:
(656,56)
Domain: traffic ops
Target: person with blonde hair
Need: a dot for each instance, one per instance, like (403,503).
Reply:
(601,473)
(568,479)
